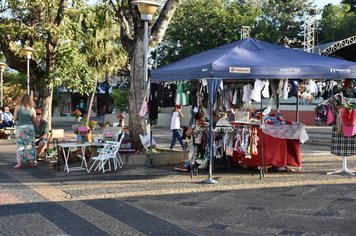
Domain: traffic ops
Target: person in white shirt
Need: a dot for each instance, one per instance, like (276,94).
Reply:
(175,126)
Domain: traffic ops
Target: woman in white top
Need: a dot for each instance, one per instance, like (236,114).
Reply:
(175,126)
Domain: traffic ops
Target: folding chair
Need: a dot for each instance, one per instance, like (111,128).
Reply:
(112,133)
(109,152)
(118,163)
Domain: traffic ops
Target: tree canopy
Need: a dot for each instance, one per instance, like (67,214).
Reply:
(74,44)
(199,25)
(45,26)
(336,23)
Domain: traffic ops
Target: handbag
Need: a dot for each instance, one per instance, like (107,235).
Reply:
(348,116)
(144,107)
(329,116)
(145,141)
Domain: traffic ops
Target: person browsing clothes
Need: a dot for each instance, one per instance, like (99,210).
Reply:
(41,133)
(175,126)
(197,148)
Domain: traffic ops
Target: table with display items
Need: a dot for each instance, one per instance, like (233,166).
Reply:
(66,149)
(281,147)
(87,149)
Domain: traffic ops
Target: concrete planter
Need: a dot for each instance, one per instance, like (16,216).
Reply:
(158,159)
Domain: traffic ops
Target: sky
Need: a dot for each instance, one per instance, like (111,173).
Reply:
(321,3)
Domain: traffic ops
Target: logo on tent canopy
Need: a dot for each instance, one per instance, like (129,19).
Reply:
(335,70)
(290,70)
(244,70)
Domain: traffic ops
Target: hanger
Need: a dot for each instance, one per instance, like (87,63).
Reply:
(327,101)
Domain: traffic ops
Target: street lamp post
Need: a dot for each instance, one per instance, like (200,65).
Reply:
(147,9)
(27,52)
(2,69)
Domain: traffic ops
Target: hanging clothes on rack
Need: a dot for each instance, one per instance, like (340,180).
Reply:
(153,104)
(343,138)
(183,90)
(166,93)
(348,121)
(327,111)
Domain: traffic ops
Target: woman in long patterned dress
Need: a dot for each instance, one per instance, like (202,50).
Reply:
(24,117)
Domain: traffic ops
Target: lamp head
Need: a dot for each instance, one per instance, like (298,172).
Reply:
(2,66)
(147,8)
(27,52)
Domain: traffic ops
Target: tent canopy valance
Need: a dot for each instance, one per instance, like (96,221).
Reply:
(255,59)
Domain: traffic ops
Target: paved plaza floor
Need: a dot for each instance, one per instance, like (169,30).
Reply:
(161,201)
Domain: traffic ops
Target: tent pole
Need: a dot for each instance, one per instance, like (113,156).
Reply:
(297,109)
(210,180)
(261,128)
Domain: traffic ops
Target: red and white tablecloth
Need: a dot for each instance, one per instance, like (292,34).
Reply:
(293,131)
(281,147)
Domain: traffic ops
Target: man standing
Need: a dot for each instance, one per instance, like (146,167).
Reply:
(41,134)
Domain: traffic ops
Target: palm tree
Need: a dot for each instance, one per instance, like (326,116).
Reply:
(101,47)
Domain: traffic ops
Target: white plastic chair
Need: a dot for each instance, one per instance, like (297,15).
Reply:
(109,152)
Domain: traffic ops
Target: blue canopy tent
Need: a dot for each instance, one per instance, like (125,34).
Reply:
(251,59)
(254,59)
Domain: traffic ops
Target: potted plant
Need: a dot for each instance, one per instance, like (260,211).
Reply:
(78,114)
(91,124)
(121,117)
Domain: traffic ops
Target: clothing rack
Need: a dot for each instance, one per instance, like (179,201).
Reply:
(327,101)
(333,97)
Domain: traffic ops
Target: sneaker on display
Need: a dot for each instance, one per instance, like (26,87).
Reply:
(181,168)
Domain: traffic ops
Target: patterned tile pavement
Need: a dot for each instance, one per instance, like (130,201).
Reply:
(161,201)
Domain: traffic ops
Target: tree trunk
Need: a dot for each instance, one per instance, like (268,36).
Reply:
(132,32)
(136,93)
(90,104)
(91,100)
(46,105)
